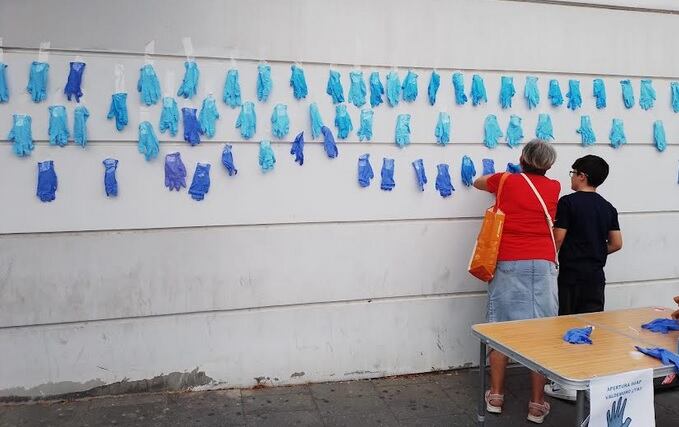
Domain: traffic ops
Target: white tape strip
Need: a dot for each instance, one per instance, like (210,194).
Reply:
(149,50)
(188,48)
(43,53)
(119,74)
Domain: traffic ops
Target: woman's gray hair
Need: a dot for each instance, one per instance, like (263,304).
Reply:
(538,155)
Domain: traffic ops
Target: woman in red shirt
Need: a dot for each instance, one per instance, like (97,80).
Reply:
(524,286)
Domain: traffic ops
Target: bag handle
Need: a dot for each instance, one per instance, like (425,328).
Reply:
(548,217)
(503,178)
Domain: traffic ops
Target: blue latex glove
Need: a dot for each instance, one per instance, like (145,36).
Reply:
(646,95)
(665,356)
(420,175)
(357,90)
(334,87)
(615,415)
(169,116)
(192,128)
(365,171)
(298,82)
(674,86)
(231,94)
(80,116)
(110,181)
(458,86)
(37,81)
(627,93)
(578,335)
(662,325)
(58,127)
(387,174)
(377,90)
(617,135)
(118,110)
(442,131)
(478,92)
(75,78)
(175,172)
(491,131)
(599,92)
(148,143)
(47,181)
(443,184)
(200,184)
(544,129)
(189,85)
(208,116)
(554,93)
(21,135)
(409,87)
(297,148)
(393,89)
(227,160)
(586,132)
(434,83)
(4,92)
(247,120)
(267,159)
(531,93)
(468,171)
(659,135)
(573,95)
(488,166)
(280,123)
(365,131)
(264,82)
(513,168)
(148,85)
(507,91)
(316,120)
(329,143)
(402,130)
(343,121)
(514,131)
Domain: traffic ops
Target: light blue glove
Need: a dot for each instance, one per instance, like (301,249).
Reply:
(200,185)
(478,93)
(169,116)
(80,116)
(365,171)
(110,181)
(365,131)
(316,120)
(488,166)
(376,89)
(665,356)
(75,78)
(192,128)
(208,116)
(646,95)
(189,85)
(434,83)
(231,93)
(659,135)
(280,123)
(403,130)
(393,89)
(554,93)
(513,168)
(175,172)
(468,171)
(458,86)
(357,90)
(58,127)
(586,132)
(37,81)
(507,91)
(334,87)
(420,175)
(578,335)
(674,86)
(491,131)
(4,92)
(443,184)
(617,135)
(409,87)
(148,143)
(227,160)
(267,160)
(297,148)
(47,181)
(342,121)
(627,93)
(514,131)
(21,135)
(118,110)
(662,325)
(329,143)
(387,174)
(442,131)
(247,120)
(148,85)
(599,92)
(298,82)
(573,95)
(264,83)
(544,129)
(531,93)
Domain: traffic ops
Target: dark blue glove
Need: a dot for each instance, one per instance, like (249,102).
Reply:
(175,172)
(264,83)
(80,116)
(190,82)
(513,168)
(434,83)
(47,181)
(75,78)
(421,176)
(58,127)
(148,85)
(468,171)
(578,335)
(573,95)
(554,93)
(409,87)
(443,184)
(329,143)
(531,93)
(227,160)
(201,181)
(387,173)
(110,181)
(357,89)
(118,110)
(4,92)
(377,90)
(478,92)
(334,87)
(37,81)
(298,82)
(298,148)
(488,166)
(192,129)
(665,356)
(662,325)
(21,135)
(458,85)
(507,91)
(231,94)
(365,171)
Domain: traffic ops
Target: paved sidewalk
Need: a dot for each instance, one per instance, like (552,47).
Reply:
(437,399)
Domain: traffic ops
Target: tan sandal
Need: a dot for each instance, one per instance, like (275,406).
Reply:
(539,412)
(497,397)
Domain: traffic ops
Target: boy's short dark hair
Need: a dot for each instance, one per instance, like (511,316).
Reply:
(594,167)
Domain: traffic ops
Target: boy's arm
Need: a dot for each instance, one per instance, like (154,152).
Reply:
(614,241)
(559,235)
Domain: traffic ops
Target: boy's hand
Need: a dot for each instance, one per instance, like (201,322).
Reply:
(675,315)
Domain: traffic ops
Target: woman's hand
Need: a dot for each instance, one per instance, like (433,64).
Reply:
(481,182)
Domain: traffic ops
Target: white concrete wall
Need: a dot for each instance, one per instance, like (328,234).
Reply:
(300,270)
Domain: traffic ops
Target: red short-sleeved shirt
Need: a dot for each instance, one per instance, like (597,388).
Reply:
(526,233)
